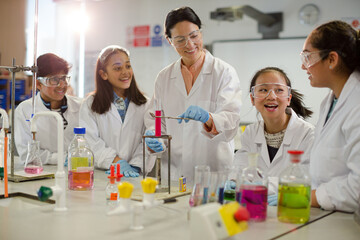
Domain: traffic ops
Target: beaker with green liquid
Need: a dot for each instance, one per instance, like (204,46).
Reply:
(294,192)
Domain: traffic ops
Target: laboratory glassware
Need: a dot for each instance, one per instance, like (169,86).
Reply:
(158,117)
(81,162)
(253,189)
(222,177)
(213,187)
(199,193)
(231,183)
(33,164)
(294,192)
(111,189)
(1,155)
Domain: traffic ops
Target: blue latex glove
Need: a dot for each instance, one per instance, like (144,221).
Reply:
(126,169)
(66,161)
(230,185)
(272,200)
(195,112)
(153,143)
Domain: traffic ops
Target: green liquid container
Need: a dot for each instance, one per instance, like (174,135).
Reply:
(294,192)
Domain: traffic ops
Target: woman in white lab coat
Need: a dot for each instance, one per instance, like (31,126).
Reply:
(282,127)
(52,84)
(197,86)
(331,58)
(114,114)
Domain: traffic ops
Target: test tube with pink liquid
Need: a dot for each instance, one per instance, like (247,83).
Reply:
(157,117)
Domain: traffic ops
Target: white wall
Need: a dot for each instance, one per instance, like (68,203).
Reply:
(109,20)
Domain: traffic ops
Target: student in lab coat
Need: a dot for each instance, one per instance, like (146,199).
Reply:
(197,86)
(52,84)
(114,114)
(282,127)
(331,58)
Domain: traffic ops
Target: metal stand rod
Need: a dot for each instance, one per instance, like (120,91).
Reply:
(12,119)
(168,137)
(158,170)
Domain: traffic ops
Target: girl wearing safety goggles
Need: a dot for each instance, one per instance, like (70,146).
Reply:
(281,128)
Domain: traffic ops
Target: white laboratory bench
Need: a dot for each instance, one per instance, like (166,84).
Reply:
(86,219)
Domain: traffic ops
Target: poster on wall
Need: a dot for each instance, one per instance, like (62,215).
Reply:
(145,36)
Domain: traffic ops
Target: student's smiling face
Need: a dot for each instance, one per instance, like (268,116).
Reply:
(118,72)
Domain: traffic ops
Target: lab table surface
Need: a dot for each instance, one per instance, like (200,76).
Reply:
(86,218)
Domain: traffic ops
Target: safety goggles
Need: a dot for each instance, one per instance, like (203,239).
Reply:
(54,81)
(182,41)
(264,90)
(308,59)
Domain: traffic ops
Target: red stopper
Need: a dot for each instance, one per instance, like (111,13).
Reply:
(112,173)
(118,174)
(242,214)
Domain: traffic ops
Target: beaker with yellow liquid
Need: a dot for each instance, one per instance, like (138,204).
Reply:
(294,192)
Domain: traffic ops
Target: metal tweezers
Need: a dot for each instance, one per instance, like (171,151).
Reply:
(153,115)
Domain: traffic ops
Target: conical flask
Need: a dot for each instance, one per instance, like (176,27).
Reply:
(33,164)
(294,192)
(253,190)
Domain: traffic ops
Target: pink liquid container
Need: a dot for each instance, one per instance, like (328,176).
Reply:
(253,190)
(157,117)
(33,164)
(158,123)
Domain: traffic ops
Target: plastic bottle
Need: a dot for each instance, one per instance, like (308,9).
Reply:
(81,162)
(111,189)
(253,190)
(294,192)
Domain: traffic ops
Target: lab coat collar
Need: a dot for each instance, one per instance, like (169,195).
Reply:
(129,113)
(345,93)
(290,129)
(289,135)
(207,68)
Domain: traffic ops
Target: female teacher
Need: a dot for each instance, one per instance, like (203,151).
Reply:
(200,87)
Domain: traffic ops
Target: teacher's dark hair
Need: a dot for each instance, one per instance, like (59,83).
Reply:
(179,15)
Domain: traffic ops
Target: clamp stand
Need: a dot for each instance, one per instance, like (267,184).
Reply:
(158,163)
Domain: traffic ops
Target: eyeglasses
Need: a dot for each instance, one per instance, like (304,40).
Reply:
(182,41)
(308,60)
(264,90)
(54,81)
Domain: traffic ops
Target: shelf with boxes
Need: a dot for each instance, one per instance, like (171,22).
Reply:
(22,90)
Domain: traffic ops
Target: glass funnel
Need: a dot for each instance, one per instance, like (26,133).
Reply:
(33,164)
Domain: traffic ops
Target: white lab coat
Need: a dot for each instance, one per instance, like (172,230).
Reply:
(46,128)
(299,135)
(217,90)
(335,157)
(109,137)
